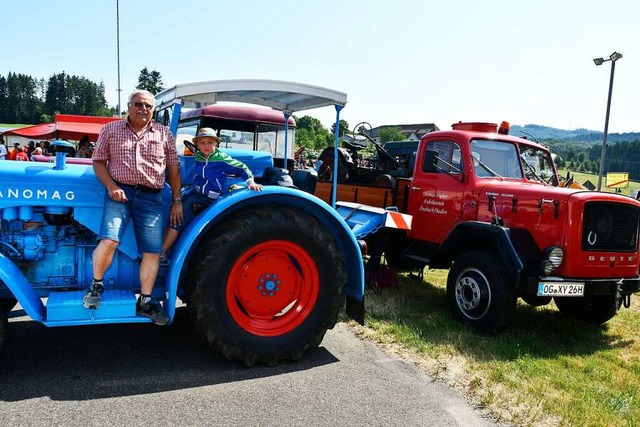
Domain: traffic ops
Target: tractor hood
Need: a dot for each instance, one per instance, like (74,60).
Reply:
(41,184)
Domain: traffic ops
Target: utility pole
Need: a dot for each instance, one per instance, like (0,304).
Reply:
(118,49)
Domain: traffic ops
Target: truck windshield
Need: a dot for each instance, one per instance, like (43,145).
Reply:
(495,159)
(538,165)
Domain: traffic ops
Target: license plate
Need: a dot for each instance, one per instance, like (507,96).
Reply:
(560,289)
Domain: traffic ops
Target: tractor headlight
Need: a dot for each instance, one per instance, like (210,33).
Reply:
(553,258)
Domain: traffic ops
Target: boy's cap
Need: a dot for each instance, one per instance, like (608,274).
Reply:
(206,132)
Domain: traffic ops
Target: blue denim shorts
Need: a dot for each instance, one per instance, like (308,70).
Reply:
(146,211)
(189,202)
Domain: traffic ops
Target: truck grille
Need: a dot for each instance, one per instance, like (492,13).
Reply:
(610,227)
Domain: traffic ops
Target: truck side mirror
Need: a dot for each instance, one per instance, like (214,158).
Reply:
(430,161)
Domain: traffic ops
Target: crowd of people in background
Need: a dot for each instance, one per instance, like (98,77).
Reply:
(42,148)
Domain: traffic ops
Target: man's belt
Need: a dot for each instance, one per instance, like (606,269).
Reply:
(140,187)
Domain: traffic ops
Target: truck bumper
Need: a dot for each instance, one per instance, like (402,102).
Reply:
(609,286)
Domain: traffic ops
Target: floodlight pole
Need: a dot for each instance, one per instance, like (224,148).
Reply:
(598,61)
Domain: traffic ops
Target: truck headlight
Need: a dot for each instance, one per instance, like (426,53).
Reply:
(553,258)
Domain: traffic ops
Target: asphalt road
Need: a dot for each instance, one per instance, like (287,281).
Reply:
(139,374)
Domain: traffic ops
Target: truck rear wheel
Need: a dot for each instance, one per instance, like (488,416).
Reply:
(594,309)
(479,292)
(269,283)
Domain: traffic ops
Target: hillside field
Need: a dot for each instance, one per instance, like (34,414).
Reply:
(582,177)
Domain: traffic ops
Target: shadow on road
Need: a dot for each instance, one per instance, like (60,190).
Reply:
(80,363)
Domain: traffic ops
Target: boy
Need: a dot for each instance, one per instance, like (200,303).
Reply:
(212,168)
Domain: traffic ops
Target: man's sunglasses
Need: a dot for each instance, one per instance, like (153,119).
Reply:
(143,104)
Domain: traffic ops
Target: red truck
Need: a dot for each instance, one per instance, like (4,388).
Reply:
(489,207)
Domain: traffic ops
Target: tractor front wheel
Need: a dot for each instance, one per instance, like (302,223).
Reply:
(7,304)
(4,326)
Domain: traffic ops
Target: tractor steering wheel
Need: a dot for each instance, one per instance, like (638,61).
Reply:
(365,129)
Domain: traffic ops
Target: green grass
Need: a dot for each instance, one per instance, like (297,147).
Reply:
(543,370)
(582,177)
(10,125)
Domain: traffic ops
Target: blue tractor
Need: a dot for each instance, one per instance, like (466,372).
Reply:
(263,275)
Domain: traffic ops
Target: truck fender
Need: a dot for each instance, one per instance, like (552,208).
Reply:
(473,235)
(227,204)
(21,288)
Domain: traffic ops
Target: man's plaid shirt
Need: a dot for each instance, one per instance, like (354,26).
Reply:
(136,161)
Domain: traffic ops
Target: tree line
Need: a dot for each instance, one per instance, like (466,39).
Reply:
(585,156)
(29,100)
(313,136)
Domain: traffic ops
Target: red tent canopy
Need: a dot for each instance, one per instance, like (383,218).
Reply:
(65,126)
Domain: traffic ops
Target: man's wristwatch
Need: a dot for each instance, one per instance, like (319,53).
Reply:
(177,201)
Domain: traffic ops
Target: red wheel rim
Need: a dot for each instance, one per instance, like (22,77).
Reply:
(272,288)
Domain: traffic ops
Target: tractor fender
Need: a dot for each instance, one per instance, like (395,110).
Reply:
(227,204)
(21,289)
(473,235)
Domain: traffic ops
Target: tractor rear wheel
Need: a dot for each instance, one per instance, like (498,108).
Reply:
(269,283)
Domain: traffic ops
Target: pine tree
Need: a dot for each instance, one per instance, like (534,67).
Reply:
(151,81)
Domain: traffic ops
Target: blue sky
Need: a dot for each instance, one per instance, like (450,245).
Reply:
(405,61)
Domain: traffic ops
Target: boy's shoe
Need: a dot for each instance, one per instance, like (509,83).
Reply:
(94,294)
(153,310)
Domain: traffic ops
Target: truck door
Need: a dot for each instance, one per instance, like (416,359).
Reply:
(435,196)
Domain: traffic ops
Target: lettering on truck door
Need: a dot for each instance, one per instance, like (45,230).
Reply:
(435,195)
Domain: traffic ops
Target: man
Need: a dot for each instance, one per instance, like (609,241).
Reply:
(21,155)
(130,159)
(3,149)
(12,153)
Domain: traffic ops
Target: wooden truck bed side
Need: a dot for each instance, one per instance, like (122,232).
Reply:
(379,197)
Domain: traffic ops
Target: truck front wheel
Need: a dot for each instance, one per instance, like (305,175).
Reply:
(268,284)
(594,309)
(479,291)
